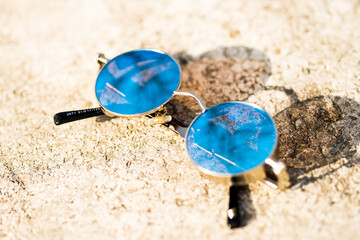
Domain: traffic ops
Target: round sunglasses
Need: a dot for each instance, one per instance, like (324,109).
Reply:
(232,140)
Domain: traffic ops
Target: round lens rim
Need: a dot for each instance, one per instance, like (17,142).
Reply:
(114,114)
(229,175)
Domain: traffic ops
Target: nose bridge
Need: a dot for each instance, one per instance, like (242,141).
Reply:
(198,99)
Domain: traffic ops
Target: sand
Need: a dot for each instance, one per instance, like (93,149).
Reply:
(123,179)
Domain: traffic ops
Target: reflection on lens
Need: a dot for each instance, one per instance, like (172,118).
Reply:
(231,138)
(137,82)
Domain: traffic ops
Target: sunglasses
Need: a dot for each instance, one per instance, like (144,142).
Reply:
(232,140)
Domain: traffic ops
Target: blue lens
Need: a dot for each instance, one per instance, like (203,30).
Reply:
(137,82)
(231,138)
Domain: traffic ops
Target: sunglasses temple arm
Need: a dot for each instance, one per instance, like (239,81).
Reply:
(196,97)
(70,116)
(236,214)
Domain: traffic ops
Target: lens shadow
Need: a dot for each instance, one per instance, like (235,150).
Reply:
(317,132)
(217,76)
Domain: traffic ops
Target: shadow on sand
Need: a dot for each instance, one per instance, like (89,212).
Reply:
(316,132)
(312,133)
